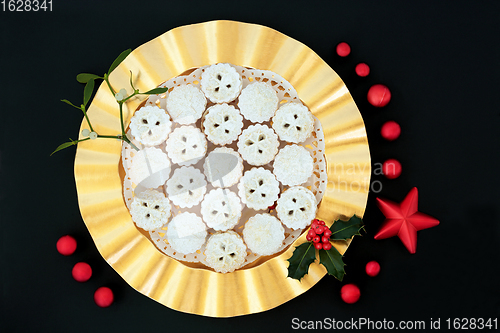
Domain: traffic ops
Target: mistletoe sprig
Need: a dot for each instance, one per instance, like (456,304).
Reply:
(319,237)
(121,98)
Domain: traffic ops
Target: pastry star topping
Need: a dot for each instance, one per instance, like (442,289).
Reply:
(404,220)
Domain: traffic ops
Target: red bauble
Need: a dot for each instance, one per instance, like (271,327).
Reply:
(350,293)
(343,49)
(391,168)
(379,95)
(372,268)
(362,69)
(81,272)
(390,130)
(404,220)
(103,297)
(66,245)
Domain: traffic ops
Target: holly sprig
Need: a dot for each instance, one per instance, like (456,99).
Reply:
(120,96)
(319,238)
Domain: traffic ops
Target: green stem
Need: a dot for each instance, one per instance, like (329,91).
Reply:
(87,118)
(109,85)
(125,138)
(129,97)
(121,119)
(76,141)
(118,137)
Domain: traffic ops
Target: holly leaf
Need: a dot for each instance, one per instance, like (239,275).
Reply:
(119,60)
(302,257)
(156,91)
(86,77)
(342,230)
(332,260)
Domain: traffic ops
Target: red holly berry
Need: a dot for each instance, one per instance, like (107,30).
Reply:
(309,238)
(321,222)
(325,239)
(390,130)
(379,95)
(103,297)
(66,245)
(327,233)
(319,229)
(362,69)
(316,239)
(318,246)
(372,268)
(81,272)
(391,168)
(311,233)
(327,246)
(350,293)
(343,49)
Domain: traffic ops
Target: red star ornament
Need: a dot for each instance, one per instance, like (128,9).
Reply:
(404,220)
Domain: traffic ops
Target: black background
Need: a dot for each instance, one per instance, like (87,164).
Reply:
(440,60)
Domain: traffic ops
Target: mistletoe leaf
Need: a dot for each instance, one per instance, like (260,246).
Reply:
(64,145)
(342,230)
(156,91)
(302,257)
(332,260)
(69,103)
(86,77)
(119,60)
(87,92)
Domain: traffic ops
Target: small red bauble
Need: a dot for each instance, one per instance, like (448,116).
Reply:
(321,222)
(390,130)
(66,245)
(350,293)
(325,239)
(309,238)
(372,268)
(362,69)
(318,246)
(81,272)
(311,233)
(379,95)
(327,233)
(316,239)
(391,168)
(343,49)
(327,246)
(103,297)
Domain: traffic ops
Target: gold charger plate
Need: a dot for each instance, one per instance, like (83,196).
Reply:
(99,182)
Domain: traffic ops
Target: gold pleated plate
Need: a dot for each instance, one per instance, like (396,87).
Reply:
(99,179)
